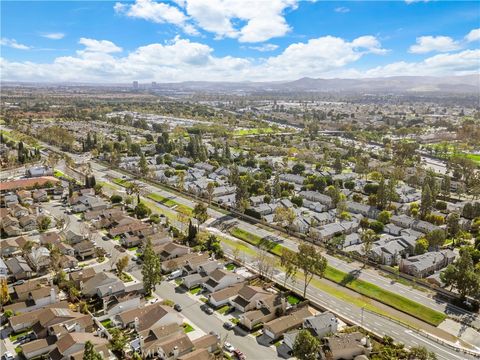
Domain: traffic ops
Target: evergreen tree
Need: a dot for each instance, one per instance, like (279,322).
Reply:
(89,352)
(382,194)
(427,201)
(151,269)
(306,346)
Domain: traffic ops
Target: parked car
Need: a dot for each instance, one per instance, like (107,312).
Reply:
(214,334)
(239,354)
(209,310)
(175,274)
(229,347)
(8,356)
(19,282)
(106,238)
(228,325)
(178,307)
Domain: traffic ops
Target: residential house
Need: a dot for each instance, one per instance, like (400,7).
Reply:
(19,268)
(84,249)
(3,269)
(39,258)
(147,317)
(149,340)
(59,321)
(171,250)
(347,346)
(266,309)
(81,276)
(317,197)
(370,212)
(321,324)
(28,222)
(73,236)
(116,304)
(102,284)
(208,342)
(38,171)
(247,297)
(72,345)
(220,279)
(426,264)
(24,321)
(223,296)
(40,195)
(13,246)
(276,328)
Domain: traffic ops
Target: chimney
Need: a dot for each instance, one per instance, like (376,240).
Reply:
(77,327)
(176,352)
(110,290)
(142,342)
(53,295)
(136,323)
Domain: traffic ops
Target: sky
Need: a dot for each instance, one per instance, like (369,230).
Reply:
(236,40)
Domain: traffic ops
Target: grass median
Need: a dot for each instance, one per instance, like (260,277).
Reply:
(362,287)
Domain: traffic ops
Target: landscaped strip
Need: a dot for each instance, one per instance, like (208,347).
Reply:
(362,287)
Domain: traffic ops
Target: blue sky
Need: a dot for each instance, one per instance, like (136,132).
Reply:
(148,40)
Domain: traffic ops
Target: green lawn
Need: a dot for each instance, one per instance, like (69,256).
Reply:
(125,277)
(474,157)
(224,309)
(195,290)
(14,336)
(293,299)
(133,248)
(254,131)
(231,267)
(360,286)
(187,328)
(170,203)
(107,323)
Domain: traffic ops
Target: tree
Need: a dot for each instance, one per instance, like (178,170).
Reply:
(118,341)
(298,168)
(122,264)
(265,262)
(142,211)
(310,261)
(285,215)
(287,260)
(142,165)
(384,217)
(192,233)
(461,275)
(427,201)
(89,352)
(382,198)
(421,353)
(116,199)
(306,346)
(421,246)
(200,212)
(337,165)
(453,224)
(210,190)
(435,238)
(368,237)
(213,246)
(43,223)
(376,226)
(4,295)
(151,269)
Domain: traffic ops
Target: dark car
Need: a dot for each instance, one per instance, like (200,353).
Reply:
(209,310)
(239,354)
(178,307)
(228,325)
(106,238)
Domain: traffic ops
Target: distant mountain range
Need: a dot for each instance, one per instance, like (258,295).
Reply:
(398,84)
(469,84)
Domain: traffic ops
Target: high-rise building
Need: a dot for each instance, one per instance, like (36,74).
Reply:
(135,84)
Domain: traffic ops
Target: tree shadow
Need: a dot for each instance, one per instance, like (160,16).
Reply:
(351,276)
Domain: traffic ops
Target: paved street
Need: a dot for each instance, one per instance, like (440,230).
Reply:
(371,321)
(423,297)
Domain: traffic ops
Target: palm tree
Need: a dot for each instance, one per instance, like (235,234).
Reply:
(368,236)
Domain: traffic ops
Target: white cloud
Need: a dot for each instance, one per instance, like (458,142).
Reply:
(54,36)
(184,60)
(342,9)
(426,44)
(98,46)
(264,47)
(461,63)
(245,20)
(473,35)
(13,44)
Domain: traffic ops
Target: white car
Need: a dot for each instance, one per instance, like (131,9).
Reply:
(229,347)
(8,356)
